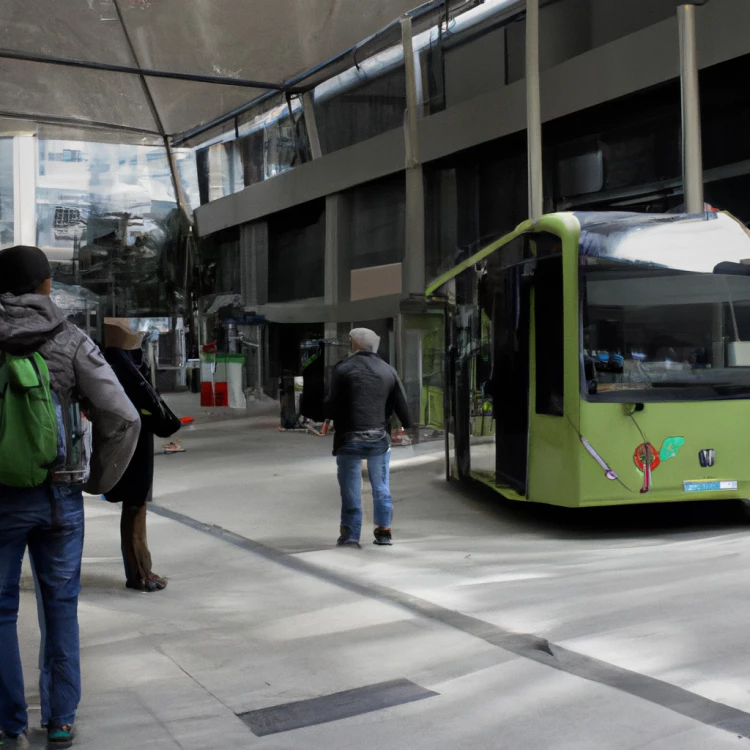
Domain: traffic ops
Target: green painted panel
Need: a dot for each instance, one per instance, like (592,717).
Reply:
(705,425)
(553,470)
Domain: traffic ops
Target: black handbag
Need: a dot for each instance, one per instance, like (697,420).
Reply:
(160,419)
(156,416)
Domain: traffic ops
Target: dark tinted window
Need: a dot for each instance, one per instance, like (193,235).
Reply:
(548,315)
(296,243)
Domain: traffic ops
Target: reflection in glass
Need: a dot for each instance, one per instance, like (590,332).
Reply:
(665,335)
(7,222)
(108,218)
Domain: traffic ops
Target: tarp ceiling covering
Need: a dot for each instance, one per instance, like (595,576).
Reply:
(259,40)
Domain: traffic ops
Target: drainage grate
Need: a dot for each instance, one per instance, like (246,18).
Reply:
(333,707)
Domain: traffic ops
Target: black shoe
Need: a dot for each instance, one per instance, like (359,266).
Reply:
(345,541)
(148,585)
(383,537)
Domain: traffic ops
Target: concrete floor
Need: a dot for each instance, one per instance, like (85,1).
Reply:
(535,628)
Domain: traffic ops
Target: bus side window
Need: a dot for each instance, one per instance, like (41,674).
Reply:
(548,315)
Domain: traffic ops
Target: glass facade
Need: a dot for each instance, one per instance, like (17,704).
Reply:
(7,202)
(107,216)
(347,117)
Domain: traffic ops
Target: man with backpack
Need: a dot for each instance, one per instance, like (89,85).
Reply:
(65,425)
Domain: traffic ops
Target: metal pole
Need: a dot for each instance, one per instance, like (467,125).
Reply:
(414,257)
(534,111)
(179,195)
(412,114)
(11,54)
(311,123)
(692,154)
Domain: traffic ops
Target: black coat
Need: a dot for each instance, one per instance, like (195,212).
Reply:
(135,486)
(364,393)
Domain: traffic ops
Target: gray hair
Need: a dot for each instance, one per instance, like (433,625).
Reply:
(365,339)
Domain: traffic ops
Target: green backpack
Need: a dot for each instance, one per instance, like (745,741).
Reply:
(28,422)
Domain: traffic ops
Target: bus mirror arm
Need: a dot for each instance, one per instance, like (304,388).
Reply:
(630,409)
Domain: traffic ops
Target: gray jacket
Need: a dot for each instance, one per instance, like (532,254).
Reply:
(78,373)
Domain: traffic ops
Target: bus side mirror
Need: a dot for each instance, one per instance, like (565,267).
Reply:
(732,269)
(528,275)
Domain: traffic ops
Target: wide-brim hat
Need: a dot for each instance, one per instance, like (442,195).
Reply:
(119,334)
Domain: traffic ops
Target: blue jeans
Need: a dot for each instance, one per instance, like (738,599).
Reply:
(49,521)
(349,460)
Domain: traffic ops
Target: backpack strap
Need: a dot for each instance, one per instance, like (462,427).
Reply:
(25,373)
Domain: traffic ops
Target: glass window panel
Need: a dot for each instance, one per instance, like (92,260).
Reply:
(354,115)
(296,254)
(377,222)
(7,222)
(108,219)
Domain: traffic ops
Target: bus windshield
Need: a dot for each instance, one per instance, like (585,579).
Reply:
(657,334)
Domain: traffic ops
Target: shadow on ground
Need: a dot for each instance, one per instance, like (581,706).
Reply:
(720,516)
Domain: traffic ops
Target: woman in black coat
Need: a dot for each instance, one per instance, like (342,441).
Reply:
(124,354)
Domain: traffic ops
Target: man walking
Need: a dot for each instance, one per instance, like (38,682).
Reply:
(364,393)
(50,374)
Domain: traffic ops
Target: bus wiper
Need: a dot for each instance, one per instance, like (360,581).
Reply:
(733,390)
(675,384)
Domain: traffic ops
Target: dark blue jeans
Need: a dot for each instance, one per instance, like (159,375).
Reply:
(349,460)
(49,521)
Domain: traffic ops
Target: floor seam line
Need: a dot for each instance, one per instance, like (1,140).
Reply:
(529,646)
(189,676)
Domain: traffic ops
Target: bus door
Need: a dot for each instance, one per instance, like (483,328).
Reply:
(421,360)
(511,298)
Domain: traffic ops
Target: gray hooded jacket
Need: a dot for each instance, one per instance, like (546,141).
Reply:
(78,373)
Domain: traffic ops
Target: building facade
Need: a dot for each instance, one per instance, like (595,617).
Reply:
(336,208)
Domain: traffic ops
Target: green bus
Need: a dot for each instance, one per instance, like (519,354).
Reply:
(610,352)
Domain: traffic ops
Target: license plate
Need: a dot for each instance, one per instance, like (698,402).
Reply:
(710,486)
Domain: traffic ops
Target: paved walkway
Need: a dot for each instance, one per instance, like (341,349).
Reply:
(487,625)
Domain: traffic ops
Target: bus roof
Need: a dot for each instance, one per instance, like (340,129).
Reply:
(689,242)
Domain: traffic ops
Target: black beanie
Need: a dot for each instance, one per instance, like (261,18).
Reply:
(23,269)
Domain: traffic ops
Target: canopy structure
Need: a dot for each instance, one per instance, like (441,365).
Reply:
(163,67)
(116,115)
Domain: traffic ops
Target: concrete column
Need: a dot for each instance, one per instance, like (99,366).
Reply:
(332,270)
(311,123)
(534,111)
(254,264)
(414,256)
(337,250)
(337,270)
(236,171)
(692,151)
(25,169)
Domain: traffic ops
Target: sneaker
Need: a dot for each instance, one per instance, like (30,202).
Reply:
(383,537)
(60,736)
(345,541)
(11,736)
